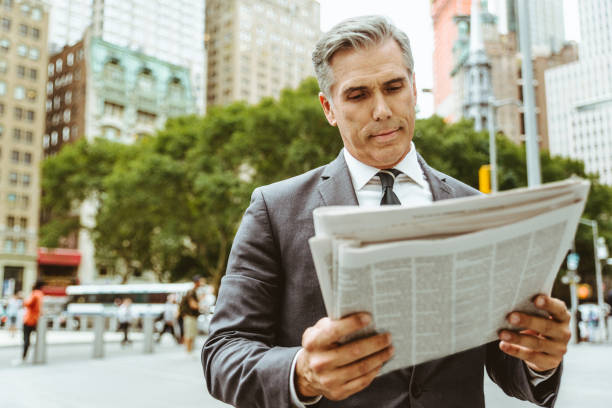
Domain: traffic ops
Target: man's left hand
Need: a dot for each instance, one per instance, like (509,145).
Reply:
(542,342)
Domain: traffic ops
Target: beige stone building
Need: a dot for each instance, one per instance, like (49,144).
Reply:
(256,48)
(23,76)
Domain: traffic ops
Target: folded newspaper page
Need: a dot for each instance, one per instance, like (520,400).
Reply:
(442,278)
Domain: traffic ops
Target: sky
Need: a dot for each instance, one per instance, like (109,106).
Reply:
(413,17)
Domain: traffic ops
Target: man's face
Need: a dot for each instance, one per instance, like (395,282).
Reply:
(373,103)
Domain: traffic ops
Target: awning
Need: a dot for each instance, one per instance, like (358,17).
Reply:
(59,256)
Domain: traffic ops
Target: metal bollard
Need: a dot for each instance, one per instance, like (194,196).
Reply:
(98,326)
(609,329)
(113,324)
(40,349)
(147,328)
(83,320)
(56,322)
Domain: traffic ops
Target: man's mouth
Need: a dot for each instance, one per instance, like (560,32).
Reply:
(385,133)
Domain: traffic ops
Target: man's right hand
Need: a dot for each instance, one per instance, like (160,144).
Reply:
(325,367)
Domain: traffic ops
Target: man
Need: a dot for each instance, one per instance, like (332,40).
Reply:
(190,310)
(125,317)
(270,344)
(33,308)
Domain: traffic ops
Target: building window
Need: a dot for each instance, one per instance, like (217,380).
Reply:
(57,100)
(13,178)
(70,59)
(68,97)
(22,50)
(15,156)
(30,116)
(50,69)
(25,180)
(19,93)
(58,65)
(1,131)
(10,222)
(145,117)
(36,14)
(23,30)
(35,33)
(66,133)
(3,66)
(21,246)
(5,45)
(27,158)
(21,71)
(2,88)
(66,115)
(23,223)
(25,201)
(33,73)
(113,109)
(49,105)
(29,136)
(45,141)
(18,113)
(54,137)
(49,88)
(34,54)
(8,245)
(17,134)
(6,24)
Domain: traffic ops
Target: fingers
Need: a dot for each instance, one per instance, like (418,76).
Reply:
(555,307)
(536,343)
(555,327)
(361,348)
(326,333)
(536,360)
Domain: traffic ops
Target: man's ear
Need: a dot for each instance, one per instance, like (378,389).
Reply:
(327,109)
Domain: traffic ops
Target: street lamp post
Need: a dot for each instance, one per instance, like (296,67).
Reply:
(572,279)
(493,105)
(600,253)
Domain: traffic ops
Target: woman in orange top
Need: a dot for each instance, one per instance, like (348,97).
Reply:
(33,305)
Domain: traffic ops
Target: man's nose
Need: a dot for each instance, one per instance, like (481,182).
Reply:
(381,108)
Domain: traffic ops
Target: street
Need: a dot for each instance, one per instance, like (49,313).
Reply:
(128,378)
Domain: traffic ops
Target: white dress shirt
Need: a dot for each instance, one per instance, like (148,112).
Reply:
(412,189)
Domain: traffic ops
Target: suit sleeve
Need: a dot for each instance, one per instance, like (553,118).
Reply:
(511,375)
(242,365)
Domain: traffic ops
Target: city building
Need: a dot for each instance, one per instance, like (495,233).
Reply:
(99,89)
(171,31)
(444,14)
(546,25)
(258,47)
(579,95)
(23,69)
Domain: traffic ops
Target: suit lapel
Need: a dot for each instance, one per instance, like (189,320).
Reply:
(336,187)
(440,190)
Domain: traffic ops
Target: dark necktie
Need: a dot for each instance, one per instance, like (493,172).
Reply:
(387,177)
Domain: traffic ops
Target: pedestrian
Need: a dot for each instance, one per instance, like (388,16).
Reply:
(169,316)
(33,308)
(270,344)
(13,306)
(125,317)
(190,310)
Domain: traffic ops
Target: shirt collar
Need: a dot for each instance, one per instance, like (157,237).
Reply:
(361,173)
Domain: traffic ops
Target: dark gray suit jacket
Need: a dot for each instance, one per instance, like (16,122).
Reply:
(270,295)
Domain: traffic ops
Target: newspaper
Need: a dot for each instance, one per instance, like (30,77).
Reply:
(442,278)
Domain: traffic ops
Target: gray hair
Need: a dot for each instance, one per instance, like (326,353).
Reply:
(355,33)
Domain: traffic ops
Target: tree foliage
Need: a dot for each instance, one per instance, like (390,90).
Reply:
(172,202)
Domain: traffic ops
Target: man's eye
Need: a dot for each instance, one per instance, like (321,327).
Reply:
(393,88)
(355,96)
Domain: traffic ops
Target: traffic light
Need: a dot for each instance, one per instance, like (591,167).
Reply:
(484,178)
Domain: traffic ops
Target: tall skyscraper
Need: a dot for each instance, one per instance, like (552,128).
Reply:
(171,31)
(23,72)
(579,95)
(258,47)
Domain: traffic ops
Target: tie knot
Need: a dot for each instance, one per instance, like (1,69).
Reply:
(387,177)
